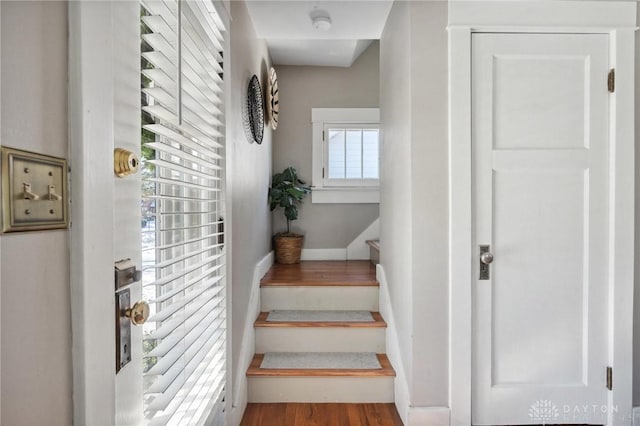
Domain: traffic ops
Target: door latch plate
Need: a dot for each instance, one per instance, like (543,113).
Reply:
(126,273)
(123,329)
(484,268)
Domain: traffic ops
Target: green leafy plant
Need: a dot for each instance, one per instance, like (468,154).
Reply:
(287,191)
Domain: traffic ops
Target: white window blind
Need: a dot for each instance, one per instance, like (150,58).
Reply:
(183,210)
(352,155)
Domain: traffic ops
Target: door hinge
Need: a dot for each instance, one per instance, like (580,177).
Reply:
(611,81)
(323,136)
(323,173)
(610,378)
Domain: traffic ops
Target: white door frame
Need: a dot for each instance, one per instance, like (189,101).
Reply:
(618,20)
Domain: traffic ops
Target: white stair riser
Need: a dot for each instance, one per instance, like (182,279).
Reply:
(321,389)
(320,339)
(364,298)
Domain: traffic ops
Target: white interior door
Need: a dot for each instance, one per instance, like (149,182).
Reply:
(540,185)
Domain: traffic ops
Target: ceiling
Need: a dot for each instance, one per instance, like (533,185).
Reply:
(292,39)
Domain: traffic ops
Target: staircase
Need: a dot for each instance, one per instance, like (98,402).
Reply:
(320,337)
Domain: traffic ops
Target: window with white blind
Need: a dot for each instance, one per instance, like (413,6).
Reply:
(346,155)
(184,340)
(351,155)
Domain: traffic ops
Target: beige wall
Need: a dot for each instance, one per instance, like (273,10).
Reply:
(36,312)
(414,196)
(250,167)
(304,88)
(430,198)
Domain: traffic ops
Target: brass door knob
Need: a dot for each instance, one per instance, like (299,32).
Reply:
(139,313)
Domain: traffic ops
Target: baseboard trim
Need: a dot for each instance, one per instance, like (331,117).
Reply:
(324,254)
(432,416)
(401,385)
(636,416)
(240,385)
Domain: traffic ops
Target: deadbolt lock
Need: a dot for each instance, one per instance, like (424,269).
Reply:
(124,162)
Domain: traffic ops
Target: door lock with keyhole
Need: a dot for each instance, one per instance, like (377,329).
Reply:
(126,274)
(486,258)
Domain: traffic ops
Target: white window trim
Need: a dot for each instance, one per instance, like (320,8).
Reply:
(322,193)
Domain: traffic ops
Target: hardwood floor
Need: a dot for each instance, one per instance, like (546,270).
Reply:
(322,273)
(316,414)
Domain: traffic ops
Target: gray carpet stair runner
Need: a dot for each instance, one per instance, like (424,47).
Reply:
(321,360)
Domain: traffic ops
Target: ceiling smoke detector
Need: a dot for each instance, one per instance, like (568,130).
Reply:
(321,22)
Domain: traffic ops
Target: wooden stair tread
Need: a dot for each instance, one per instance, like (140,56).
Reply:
(335,283)
(377,322)
(255,370)
(321,273)
(375,244)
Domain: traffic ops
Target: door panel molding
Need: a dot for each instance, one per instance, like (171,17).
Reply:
(466,18)
(539,324)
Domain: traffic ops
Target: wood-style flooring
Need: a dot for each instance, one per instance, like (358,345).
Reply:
(316,414)
(377,322)
(322,273)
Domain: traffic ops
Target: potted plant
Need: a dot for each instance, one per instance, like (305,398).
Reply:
(287,192)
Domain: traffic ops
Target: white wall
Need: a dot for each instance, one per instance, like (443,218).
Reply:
(414,197)
(395,187)
(250,168)
(302,88)
(36,312)
(413,58)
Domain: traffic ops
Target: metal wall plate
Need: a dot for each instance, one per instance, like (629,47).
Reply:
(34,191)
(485,268)
(123,329)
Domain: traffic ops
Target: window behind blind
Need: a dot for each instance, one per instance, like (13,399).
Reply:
(183,208)
(352,154)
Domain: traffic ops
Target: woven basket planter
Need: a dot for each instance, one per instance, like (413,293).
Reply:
(288,247)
